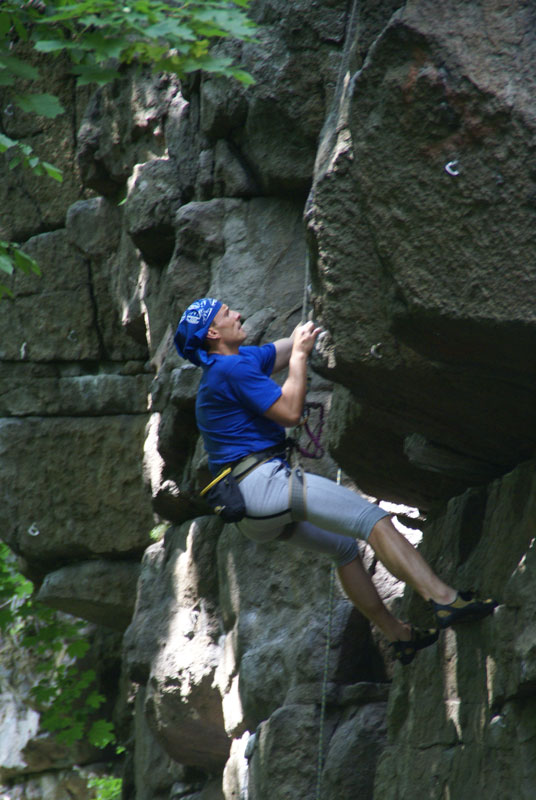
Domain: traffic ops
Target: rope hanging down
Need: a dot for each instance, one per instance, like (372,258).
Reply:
(315,449)
(312,423)
(323,701)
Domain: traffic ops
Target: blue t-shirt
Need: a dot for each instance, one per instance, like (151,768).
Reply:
(234,393)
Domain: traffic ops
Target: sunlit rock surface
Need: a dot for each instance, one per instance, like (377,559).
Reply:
(391,143)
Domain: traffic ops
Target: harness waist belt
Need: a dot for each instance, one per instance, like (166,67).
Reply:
(242,467)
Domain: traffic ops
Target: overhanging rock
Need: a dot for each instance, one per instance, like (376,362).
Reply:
(422,224)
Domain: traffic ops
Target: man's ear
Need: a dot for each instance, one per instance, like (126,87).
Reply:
(212,334)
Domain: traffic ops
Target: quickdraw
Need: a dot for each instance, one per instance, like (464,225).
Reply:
(314,447)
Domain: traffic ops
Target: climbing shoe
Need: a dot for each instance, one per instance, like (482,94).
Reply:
(465,608)
(405,651)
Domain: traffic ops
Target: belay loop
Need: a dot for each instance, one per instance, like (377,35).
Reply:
(313,425)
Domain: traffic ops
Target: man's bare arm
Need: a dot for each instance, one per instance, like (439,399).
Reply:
(283,349)
(287,410)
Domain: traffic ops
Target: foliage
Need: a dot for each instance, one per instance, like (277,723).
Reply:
(108,788)
(12,256)
(100,37)
(24,154)
(159,531)
(66,695)
(15,592)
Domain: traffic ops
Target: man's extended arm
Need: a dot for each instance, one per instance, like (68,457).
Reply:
(287,410)
(283,349)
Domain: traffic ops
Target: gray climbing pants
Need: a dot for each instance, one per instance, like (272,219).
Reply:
(334,515)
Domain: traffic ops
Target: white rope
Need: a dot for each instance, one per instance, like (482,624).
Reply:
(305,301)
(321,724)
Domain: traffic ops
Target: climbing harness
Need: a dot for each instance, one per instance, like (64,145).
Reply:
(297,494)
(223,492)
(224,496)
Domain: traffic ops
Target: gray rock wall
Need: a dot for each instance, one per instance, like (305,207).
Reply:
(391,142)
(422,226)
(461,721)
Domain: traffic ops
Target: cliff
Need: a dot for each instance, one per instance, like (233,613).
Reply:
(389,142)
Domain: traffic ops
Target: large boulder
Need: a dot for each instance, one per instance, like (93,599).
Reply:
(53,317)
(81,493)
(123,125)
(103,592)
(173,645)
(421,222)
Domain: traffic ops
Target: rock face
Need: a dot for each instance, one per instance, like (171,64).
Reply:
(389,143)
(422,226)
(464,721)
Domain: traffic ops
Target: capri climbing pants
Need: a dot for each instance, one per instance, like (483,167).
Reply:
(335,516)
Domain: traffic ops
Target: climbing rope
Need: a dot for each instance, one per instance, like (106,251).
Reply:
(312,422)
(306,288)
(323,701)
(315,449)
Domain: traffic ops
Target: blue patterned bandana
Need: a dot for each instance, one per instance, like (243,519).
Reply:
(193,328)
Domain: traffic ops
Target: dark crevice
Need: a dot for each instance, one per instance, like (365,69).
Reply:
(248,168)
(93,300)
(74,117)
(63,415)
(86,366)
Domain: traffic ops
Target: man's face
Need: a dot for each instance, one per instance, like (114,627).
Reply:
(227,324)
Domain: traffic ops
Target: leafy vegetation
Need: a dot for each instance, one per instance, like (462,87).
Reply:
(100,38)
(12,256)
(108,788)
(66,694)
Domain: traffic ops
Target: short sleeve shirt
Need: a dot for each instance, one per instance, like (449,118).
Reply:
(234,394)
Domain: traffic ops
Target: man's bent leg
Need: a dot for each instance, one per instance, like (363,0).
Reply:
(361,591)
(407,564)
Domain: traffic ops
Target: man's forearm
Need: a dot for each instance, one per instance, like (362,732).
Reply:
(283,349)
(287,410)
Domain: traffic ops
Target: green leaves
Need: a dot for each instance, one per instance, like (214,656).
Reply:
(21,69)
(66,696)
(24,262)
(11,257)
(99,36)
(78,648)
(50,45)
(170,29)
(13,586)
(101,733)
(95,31)
(45,105)
(23,154)
(52,171)
(6,143)
(107,788)
(94,74)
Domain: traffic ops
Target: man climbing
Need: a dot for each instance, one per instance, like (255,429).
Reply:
(242,415)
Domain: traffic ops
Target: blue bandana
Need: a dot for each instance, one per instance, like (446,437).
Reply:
(193,328)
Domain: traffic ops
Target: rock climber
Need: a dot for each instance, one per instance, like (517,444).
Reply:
(242,414)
